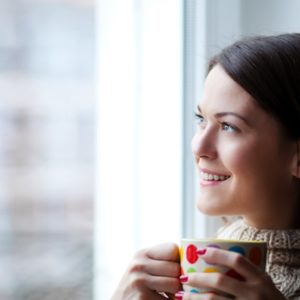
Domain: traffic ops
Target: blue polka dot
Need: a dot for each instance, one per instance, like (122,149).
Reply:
(237,249)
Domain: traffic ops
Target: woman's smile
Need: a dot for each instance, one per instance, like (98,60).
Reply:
(208,178)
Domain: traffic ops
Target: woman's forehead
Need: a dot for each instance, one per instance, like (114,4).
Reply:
(221,92)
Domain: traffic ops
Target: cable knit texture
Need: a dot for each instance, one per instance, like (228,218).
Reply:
(283,256)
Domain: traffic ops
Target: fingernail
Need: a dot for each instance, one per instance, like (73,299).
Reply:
(183,278)
(179,295)
(201,251)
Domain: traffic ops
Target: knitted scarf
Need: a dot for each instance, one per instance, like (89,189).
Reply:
(283,255)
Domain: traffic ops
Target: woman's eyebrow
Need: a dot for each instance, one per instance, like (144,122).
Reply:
(229,113)
(226,113)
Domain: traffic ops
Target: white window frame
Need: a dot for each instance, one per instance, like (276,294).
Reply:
(207,31)
(139,148)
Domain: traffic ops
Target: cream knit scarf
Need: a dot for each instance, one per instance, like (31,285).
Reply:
(283,258)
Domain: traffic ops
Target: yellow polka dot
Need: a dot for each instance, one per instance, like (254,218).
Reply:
(211,270)
(181,253)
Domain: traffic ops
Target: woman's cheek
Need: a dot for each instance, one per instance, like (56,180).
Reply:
(241,161)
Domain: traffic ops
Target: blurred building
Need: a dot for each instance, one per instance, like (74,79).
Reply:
(46,149)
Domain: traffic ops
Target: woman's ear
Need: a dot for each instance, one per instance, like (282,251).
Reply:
(296,161)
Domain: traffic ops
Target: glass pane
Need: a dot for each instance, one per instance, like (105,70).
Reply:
(47,149)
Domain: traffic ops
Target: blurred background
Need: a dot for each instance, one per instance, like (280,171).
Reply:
(47,153)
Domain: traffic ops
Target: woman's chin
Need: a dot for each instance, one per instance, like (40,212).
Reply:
(209,209)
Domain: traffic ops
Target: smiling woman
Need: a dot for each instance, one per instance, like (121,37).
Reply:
(260,157)
(246,150)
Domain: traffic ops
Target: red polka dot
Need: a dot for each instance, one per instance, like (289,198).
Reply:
(191,254)
(255,255)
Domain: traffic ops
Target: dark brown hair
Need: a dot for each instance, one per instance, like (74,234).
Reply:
(268,68)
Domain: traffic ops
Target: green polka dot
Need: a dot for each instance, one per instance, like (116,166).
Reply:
(191,270)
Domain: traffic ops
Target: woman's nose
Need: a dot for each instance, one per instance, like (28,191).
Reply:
(204,145)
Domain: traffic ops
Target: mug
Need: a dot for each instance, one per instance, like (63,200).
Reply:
(190,259)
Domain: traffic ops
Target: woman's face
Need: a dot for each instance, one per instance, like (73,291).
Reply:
(244,160)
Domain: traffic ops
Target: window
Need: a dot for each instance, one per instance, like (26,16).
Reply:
(47,149)
(139,185)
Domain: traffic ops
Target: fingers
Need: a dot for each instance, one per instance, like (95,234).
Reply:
(193,296)
(168,251)
(165,284)
(232,260)
(163,268)
(262,288)
(160,260)
(149,295)
(215,281)
(144,282)
(155,269)
(169,296)
(156,296)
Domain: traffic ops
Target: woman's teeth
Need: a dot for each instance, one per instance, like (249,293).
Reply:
(213,177)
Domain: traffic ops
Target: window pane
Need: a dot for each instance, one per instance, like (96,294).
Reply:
(47,149)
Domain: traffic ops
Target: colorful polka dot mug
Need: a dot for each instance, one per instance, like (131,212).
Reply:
(190,257)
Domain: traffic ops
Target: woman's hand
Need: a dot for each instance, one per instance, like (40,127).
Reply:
(257,285)
(153,274)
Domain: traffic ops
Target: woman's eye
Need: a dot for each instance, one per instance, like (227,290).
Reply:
(228,127)
(199,119)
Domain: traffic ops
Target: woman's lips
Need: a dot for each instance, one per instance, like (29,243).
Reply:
(211,178)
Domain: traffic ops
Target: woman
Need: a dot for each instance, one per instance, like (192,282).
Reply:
(247,152)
